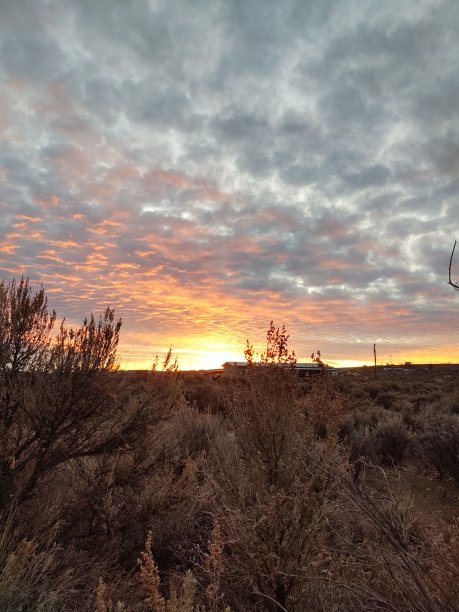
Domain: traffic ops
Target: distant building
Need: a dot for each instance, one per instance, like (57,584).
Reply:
(211,374)
(234,368)
(304,370)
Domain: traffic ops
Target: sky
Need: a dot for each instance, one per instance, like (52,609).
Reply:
(207,166)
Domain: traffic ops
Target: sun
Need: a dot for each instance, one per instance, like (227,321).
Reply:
(206,359)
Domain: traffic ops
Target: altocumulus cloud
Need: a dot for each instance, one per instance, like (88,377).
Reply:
(207,166)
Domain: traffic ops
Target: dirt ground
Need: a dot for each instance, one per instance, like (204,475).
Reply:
(431,497)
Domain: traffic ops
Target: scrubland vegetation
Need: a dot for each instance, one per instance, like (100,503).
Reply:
(173,493)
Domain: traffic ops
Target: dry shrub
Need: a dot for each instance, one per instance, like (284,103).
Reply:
(104,603)
(387,399)
(391,439)
(326,408)
(30,576)
(271,535)
(374,389)
(269,493)
(438,441)
(181,594)
(213,567)
(444,565)
(377,436)
(114,500)
(315,540)
(204,394)
(149,578)
(56,394)
(384,555)
(265,413)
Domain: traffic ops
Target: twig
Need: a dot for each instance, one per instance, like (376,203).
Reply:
(450,282)
(280,606)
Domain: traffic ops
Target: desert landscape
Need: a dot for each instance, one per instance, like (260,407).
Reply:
(168,491)
(229,304)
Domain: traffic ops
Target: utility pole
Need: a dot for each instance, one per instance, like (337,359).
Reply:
(374,353)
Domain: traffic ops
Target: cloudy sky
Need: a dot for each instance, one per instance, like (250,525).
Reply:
(205,166)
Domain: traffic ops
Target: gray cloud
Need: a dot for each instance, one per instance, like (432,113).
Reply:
(209,156)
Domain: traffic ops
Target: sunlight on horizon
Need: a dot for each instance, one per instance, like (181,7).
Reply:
(210,360)
(212,350)
(188,359)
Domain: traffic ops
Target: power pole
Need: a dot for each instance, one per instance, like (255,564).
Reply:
(374,353)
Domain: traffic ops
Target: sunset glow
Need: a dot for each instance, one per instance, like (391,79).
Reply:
(207,169)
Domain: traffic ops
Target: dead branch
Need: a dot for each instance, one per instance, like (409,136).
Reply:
(450,282)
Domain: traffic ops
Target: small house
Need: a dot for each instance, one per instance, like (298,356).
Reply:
(304,370)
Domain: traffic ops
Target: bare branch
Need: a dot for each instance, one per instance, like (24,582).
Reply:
(276,603)
(450,282)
